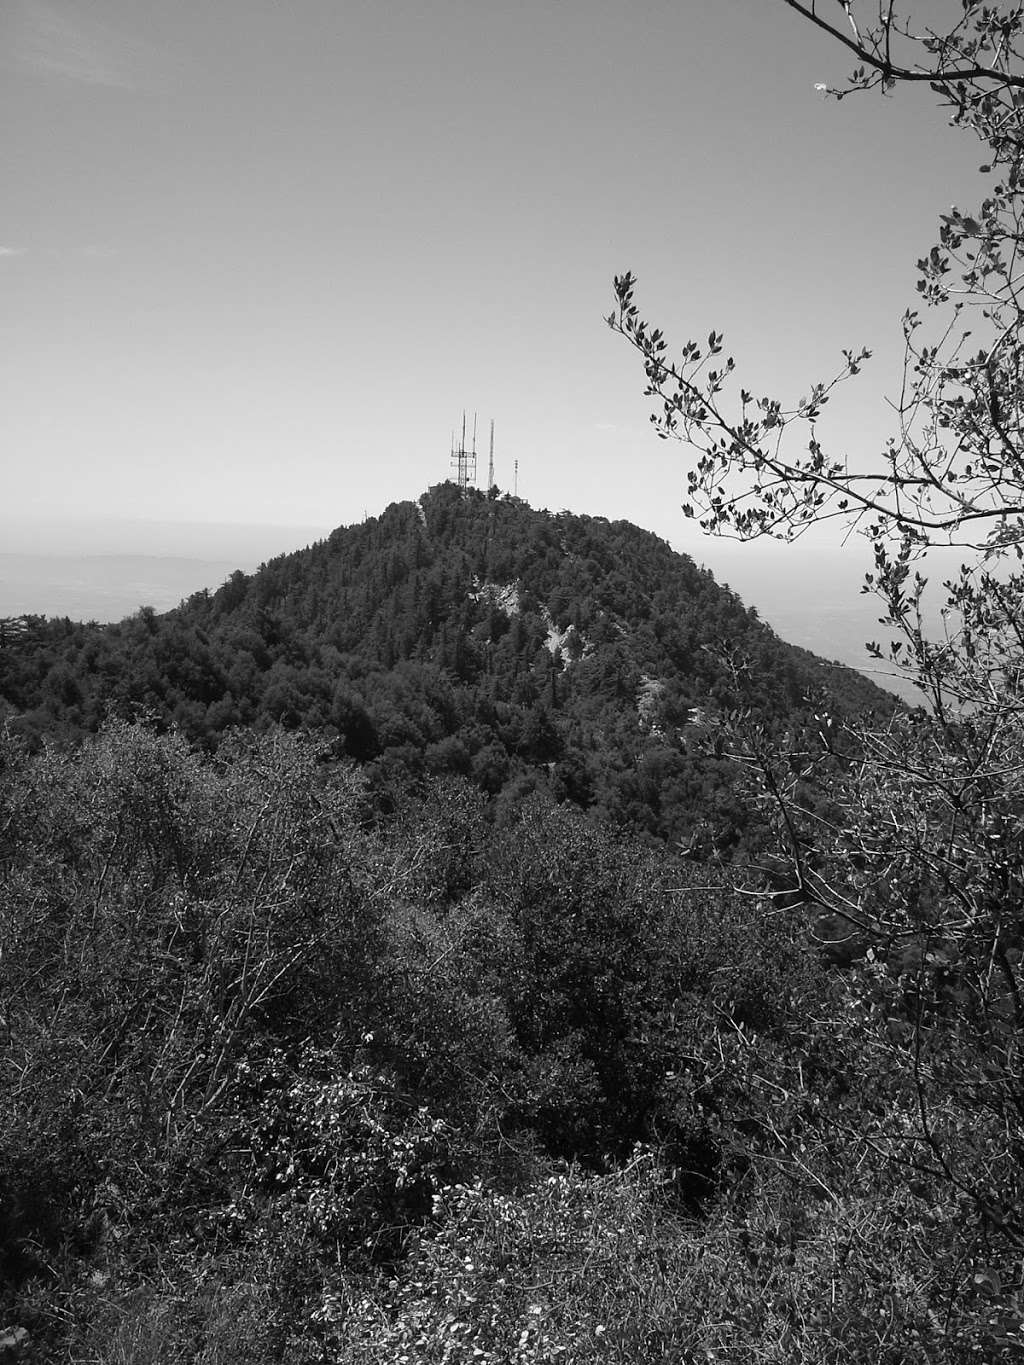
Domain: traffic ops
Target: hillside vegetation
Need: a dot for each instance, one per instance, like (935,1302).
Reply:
(466,635)
(479,939)
(355,1007)
(289,1078)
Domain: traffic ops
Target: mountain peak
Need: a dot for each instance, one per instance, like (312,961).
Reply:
(462,632)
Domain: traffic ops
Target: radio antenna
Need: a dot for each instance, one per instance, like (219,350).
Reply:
(463,460)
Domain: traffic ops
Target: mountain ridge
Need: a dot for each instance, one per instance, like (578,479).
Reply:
(463,633)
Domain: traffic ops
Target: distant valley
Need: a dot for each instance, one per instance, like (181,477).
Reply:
(102,588)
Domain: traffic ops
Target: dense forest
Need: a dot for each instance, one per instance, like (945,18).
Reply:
(289,1079)
(396,966)
(460,634)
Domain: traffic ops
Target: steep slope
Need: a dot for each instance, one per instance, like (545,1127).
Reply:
(466,634)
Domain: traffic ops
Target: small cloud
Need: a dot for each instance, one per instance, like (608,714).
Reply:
(605,426)
(13,250)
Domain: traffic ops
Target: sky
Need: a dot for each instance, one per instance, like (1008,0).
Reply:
(256,258)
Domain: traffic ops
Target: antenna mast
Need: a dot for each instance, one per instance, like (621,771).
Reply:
(463,460)
(515,482)
(490,467)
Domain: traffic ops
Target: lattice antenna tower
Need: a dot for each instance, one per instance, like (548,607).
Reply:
(490,466)
(463,458)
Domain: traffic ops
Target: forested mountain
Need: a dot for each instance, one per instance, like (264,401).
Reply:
(463,634)
(383,973)
(344,1018)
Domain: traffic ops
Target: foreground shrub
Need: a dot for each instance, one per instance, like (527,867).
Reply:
(588,1268)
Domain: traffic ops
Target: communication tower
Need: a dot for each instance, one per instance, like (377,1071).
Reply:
(490,467)
(463,458)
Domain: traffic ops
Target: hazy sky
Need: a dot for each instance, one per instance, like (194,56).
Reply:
(256,257)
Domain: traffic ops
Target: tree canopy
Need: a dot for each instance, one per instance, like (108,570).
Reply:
(461,634)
